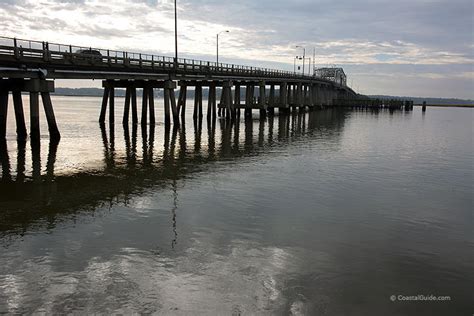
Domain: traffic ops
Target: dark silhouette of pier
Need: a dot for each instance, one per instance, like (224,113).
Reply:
(31,66)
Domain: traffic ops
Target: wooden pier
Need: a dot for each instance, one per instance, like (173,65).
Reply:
(31,67)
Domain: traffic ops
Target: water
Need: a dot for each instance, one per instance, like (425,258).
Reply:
(328,213)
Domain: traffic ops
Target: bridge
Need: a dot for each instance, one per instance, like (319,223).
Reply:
(31,66)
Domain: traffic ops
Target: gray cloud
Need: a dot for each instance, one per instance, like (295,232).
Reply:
(379,37)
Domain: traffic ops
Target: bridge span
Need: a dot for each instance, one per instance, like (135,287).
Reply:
(31,67)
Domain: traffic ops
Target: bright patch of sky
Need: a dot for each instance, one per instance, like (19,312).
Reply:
(386,47)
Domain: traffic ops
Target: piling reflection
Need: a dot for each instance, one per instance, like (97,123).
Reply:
(40,196)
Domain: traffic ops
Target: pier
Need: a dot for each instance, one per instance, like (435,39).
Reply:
(31,67)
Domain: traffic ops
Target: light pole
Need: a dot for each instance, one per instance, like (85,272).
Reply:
(304,55)
(175,34)
(217,53)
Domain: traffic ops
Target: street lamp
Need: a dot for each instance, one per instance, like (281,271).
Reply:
(226,31)
(304,55)
(175,34)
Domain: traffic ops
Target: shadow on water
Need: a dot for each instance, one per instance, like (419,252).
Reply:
(41,200)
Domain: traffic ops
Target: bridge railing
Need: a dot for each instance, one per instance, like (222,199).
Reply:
(67,55)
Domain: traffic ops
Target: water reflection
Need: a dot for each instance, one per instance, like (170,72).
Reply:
(302,214)
(30,198)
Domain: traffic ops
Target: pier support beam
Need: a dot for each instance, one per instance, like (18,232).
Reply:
(227,100)
(262,99)
(19,116)
(212,102)
(151,104)
(237,99)
(182,100)
(126,108)
(3,113)
(35,87)
(249,94)
(34,116)
(51,119)
(271,100)
(145,105)
(170,101)
(197,102)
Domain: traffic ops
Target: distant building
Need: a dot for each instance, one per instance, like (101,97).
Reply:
(333,74)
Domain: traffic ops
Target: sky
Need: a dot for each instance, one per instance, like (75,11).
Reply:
(404,47)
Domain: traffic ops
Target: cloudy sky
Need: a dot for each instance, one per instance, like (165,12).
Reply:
(404,47)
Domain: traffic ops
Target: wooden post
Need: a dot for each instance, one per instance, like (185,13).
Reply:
(300,96)
(424,106)
(133,95)
(126,108)
(237,96)
(213,93)
(151,101)
(200,101)
(19,116)
(34,116)
(167,107)
(3,113)
(170,86)
(48,109)
(310,95)
(196,102)
(112,106)
(290,95)
(104,105)
(144,105)
(283,95)
(182,101)
(248,101)
(263,99)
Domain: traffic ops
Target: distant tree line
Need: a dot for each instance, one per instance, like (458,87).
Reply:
(97,92)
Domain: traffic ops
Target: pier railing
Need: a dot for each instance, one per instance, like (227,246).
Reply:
(61,56)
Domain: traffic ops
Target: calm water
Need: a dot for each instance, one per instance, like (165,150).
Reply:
(327,213)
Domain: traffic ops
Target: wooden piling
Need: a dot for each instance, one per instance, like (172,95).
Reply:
(151,103)
(196,102)
(34,116)
(126,108)
(170,86)
(263,99)
(50,118)
(167,107)
(248,101)
(3,113)
(237,97)
(19,115)
(213,100)
(103,109)
(200,102)
(182,101)
(133,96)
(112,106)
(144,106)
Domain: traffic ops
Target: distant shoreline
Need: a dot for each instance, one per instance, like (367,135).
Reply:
(448,105)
